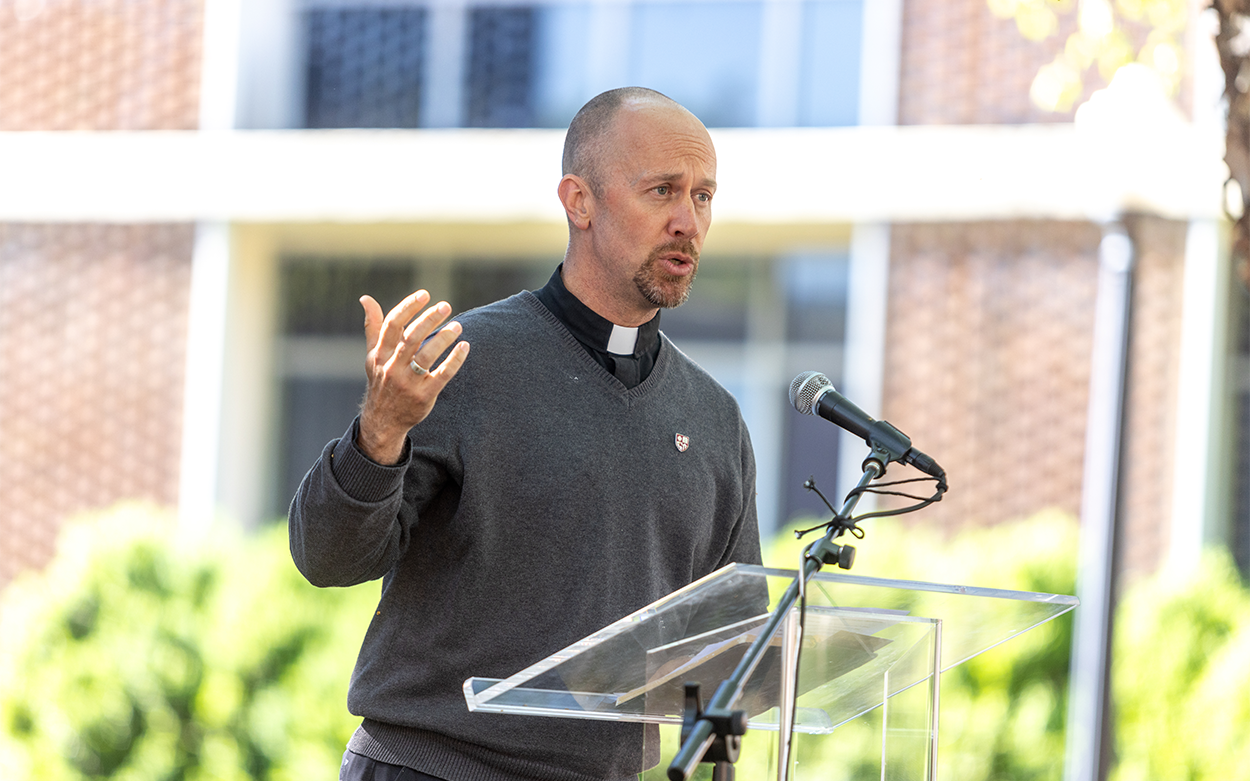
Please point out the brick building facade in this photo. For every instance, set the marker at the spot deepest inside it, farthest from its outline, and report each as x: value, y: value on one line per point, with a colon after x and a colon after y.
x: 92, y: 316
x: 987, y: 349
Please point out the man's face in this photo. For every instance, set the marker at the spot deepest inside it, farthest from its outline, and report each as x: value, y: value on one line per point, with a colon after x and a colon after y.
x: 657, y: 177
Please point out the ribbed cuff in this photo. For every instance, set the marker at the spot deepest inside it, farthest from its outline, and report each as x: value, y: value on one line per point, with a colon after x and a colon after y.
x: 362, y: 478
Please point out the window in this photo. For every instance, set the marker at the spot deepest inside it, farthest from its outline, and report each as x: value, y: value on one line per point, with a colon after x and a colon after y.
x: 815, y: 285
x: 718, y: 78
x: 322, y: 352
x: 364, y: 67
x: 717, y: 309
x: 476, y: 283
x: 501, y: 67
x: 829, y: 73
x: 411, y: 63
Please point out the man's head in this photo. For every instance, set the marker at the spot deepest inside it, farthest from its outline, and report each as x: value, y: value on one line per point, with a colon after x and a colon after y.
x: 639, y: 175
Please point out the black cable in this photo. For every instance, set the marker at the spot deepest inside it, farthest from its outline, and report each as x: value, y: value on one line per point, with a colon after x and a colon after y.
x: 851, y: 524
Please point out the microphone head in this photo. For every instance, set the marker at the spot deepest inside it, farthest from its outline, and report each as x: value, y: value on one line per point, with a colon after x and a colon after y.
x: 806, y: 388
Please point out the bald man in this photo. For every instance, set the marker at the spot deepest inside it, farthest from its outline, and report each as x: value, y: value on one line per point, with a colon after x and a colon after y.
x: 574, y: 469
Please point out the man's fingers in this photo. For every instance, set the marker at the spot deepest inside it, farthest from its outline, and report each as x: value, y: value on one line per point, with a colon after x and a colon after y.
x: 418, y: 332
x: 421, y: 328
x: 450, y: 365
x: 373, y: 320
x: 434, y: 346
x: 399, y: 398
x: 393, y: 326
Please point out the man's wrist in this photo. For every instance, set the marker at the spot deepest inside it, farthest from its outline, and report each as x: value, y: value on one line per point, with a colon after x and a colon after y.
x: 359, y: 476
x: 385, y: 448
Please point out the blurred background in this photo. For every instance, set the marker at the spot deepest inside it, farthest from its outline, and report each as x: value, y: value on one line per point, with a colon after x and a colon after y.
x: 1004, y: 226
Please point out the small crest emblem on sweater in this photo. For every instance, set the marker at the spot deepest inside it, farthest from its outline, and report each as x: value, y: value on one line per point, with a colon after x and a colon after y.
x: 682, y: 441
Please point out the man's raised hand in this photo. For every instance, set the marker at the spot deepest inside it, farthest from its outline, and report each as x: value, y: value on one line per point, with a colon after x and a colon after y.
x: 403, y: 385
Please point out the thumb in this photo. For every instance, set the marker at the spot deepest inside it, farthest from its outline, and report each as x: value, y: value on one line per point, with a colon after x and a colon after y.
x: 373, y: 320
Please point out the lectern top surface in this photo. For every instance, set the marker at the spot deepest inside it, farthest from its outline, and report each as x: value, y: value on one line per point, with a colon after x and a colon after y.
x: 864, y: 640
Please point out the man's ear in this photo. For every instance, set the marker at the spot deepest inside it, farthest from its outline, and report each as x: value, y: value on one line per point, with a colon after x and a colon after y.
x: 577, y: 200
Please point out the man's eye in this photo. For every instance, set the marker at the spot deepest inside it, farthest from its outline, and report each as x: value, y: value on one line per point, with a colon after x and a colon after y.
x: 704, y: 197
x: 662, y: 189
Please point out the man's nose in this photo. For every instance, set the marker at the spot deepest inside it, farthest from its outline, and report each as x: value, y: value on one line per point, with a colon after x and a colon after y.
x: 684, y: 221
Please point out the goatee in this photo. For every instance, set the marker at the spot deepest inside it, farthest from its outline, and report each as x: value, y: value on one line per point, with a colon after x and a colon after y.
x: 661, y: 288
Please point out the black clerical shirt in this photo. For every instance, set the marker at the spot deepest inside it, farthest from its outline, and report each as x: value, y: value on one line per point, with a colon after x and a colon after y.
x: 627, y: 353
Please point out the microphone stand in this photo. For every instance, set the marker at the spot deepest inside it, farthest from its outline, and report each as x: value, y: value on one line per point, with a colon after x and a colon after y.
x: 715, y: 734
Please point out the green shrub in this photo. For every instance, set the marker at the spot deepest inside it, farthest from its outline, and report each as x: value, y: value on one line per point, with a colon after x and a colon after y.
x: 1182, y: 677
x: 144, y: 654
x: 1002, y: 713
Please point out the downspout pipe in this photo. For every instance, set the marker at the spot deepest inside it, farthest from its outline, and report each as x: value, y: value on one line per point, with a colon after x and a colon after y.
x: 1089, y: 732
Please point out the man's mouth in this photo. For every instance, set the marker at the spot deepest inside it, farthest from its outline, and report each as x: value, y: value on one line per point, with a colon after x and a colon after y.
x: 677, y: 263
x: 665, y: 278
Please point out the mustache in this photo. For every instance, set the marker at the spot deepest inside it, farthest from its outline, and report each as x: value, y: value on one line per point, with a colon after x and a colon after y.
x: 684, y: 246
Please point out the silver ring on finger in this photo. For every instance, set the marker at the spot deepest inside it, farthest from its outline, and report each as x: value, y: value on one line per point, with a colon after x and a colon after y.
x: 417, y: 368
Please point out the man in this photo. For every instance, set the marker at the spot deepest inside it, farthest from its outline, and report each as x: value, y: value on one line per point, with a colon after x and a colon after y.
x: 577, y: 469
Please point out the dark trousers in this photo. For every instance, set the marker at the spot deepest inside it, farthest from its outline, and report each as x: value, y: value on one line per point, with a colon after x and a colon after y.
x: 357, y: 767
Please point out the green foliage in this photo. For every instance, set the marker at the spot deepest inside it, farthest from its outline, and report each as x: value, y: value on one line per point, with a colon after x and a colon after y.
x: 1182, y: 677
x: 1002, y: 713
x: 144, y: 654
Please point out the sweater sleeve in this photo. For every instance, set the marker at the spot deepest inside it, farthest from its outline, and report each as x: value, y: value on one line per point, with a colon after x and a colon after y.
x: 346, y: 520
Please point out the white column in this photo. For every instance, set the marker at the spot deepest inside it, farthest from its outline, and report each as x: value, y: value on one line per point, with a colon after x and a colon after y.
x: 247, y: 449
x: 879, y: 62
x: 868, y: 283
x: 219, y: 70
x: 201, y: 406
x: 210, y: 274
x: 863, y: 368
x: 1201, y: 449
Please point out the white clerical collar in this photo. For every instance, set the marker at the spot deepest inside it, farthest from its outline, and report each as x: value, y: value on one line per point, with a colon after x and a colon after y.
x: 623, y: 340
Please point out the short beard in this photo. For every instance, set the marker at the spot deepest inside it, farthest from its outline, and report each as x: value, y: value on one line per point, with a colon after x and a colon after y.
x: 660, y: 287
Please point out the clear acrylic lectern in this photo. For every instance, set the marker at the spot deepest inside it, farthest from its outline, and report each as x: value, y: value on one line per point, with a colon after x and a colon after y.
x: 866, y: 643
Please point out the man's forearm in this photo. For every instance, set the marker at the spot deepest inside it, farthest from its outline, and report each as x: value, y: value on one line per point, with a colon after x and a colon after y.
x: 344, y: 522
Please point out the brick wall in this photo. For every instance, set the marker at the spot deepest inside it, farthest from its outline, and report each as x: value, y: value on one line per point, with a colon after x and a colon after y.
x: 93, y: 332
x: 987, y: 360
x: 961, y: 64
x: 991, y: 323
x: 92, y: 317
x: 988, y: 367
x: 100, y: 65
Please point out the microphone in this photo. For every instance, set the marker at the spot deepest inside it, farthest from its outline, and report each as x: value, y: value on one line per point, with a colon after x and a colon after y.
x: 812, y: 393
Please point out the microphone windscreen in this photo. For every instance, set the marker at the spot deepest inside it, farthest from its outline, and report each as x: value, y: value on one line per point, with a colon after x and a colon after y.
x: 805, y: 388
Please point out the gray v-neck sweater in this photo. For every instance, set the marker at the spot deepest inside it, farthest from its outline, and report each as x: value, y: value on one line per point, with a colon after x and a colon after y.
x: 540, y: 501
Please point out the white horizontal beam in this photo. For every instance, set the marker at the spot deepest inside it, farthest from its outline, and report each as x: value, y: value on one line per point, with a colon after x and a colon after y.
x: 779, y: 176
